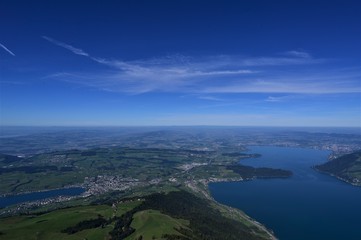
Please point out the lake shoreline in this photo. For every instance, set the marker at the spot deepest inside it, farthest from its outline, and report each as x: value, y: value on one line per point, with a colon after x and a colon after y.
x: 206, y: 193
x: 296, y: 204
x: 338, y: 177
x: 40, y: 191
x: 41, y: 197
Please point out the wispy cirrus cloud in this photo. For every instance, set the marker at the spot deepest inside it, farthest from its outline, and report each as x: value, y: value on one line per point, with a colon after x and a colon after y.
x: 210, y: 98
x: 172, y: 73
x: 285, y: 98
x: 300, y: 54
x: 213, y: 74
x: 7, y: 50
x: 66, y: 46
x: 297, y: 85
x: 274, y: 99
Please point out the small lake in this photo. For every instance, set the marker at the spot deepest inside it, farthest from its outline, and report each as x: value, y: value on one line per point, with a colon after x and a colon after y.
x: 27, y: 197
x: 307, y: 206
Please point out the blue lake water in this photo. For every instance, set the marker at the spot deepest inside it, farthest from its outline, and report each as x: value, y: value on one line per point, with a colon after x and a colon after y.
x: 307, y: 206
x: 11, y: 200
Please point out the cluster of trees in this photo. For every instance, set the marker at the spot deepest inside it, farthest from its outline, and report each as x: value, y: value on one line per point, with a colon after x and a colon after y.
x: 66, y: 169
x: 111, y: 197
x: 28, y: 169
x: 9, y: 158
x: 122, y: 228
x: 248, y: 172
x: 87, y: 224
x: 35, y: 169
x: 88, y: 153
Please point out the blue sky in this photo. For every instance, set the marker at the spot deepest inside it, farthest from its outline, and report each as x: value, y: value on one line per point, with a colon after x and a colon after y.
x: 242, y: 63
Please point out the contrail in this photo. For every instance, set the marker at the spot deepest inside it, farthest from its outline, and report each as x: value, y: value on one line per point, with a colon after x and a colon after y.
x: 66, y: 46
x: 78, y: 51
x: 6, y: 49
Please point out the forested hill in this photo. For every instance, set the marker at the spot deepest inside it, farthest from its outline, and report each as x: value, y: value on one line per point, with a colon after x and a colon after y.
x: 177, y: 215
x: 346, y: 167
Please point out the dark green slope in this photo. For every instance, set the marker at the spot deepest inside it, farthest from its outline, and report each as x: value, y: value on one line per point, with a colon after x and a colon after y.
x: 175, y: 215
x: 346, y: 167
x: 205, y: 222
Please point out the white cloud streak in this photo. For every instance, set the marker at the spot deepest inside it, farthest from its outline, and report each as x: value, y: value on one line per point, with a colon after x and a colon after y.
x: 299, y: 54
x: 6, y: 49
x: 274, y: 99
x: 295, y: 86
x: 210, y: 98
x: 210, y: 75
x: 66, y: 46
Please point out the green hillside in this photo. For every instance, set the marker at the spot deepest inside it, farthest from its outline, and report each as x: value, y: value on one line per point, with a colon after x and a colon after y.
x: 346, y: 167
x: 153, y: 224
x: 175, y: 215
x: 50, y: 225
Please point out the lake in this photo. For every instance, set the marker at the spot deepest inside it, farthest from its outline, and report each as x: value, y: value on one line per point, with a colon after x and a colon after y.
x: 15, y: 199
x: 307, y: 206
